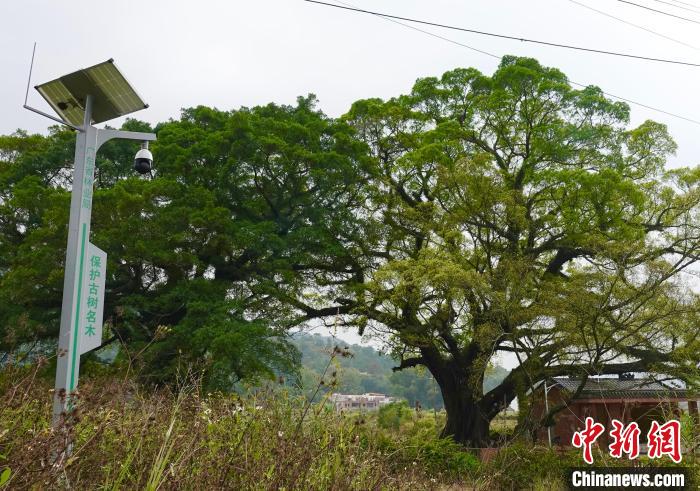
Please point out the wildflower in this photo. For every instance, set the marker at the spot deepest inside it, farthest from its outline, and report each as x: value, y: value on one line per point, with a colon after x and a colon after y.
x: 161, y: 332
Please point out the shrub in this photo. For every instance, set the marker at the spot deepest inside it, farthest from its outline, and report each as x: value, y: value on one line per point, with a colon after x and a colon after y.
x: 390, y: 416
x: 521, y: 466
x: 412, y: 440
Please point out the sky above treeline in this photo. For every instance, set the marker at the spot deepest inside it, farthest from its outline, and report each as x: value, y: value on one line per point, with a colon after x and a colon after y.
x: 236, y: 53
x: 233, y: 53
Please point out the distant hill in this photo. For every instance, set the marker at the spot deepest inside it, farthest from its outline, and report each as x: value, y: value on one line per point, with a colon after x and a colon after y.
x: 368, y: 370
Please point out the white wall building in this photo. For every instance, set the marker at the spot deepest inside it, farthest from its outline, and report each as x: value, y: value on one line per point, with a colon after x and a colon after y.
x: 370, y: 401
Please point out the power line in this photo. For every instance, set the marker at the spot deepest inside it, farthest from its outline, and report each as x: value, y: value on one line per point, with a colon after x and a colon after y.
x: 678, y: 6
x: 657, y: 11
x: 504, y: 36
x: 452, y: 41
x: 646, y: 106
x: 435, y: 35
x: 688, y: 4
x: 634, y: 25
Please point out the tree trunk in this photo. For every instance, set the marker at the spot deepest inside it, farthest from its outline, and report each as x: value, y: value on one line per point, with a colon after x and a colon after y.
x: 467, y: 423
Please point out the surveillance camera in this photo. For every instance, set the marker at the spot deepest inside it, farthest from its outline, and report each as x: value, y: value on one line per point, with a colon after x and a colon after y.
x: 143, y: 161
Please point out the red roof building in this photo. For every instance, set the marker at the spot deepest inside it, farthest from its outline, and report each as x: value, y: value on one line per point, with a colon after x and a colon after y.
x: 626, y: 399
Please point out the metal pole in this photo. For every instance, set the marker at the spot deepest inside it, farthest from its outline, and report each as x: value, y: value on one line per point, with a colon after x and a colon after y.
x: 68, y: 355
x: 546, y: 408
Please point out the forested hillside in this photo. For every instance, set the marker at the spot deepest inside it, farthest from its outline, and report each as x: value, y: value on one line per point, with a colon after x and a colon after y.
x: 369, y: 370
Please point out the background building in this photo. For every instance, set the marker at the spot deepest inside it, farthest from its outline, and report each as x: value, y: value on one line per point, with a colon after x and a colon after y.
x: 371, y: 401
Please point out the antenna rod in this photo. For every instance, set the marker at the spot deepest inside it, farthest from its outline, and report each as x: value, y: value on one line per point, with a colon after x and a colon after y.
x: 29, y: 80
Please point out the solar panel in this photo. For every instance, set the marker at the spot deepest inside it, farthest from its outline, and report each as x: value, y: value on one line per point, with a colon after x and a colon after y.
x: 112, y: 95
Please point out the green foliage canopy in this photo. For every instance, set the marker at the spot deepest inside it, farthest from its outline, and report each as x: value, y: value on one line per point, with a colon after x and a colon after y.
x: 515, y: 214
x: 238, y: 198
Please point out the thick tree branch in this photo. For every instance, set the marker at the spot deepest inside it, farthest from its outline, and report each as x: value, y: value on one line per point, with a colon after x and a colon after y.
x: 409, y: 363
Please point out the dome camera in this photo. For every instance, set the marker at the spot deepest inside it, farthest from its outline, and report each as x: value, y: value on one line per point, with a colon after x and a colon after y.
x: 143, y: 161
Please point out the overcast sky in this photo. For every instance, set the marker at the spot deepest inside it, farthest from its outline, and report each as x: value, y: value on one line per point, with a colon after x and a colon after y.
x: 232, y: 53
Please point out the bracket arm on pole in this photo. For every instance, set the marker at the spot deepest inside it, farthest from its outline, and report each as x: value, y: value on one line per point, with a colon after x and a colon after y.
x: 54, y: 118
x: 106, y: 135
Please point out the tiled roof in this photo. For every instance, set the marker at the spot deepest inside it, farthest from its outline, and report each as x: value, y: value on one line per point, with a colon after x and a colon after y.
x: 616, y: 388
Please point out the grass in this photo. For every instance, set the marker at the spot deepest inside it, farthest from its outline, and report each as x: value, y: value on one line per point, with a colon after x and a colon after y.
x: 128, y: 437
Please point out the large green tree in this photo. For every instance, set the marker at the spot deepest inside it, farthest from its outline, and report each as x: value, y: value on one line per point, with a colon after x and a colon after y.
x: 237, y: 198
x: 514, y: 214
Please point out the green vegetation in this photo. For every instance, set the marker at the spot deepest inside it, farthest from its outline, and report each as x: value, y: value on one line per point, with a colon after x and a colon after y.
x: 128, y: 438
x: 516, y: 214
x: 240, y: 200
x: 474, y: 216
x: 267, y: 439
x: 368, y: 370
